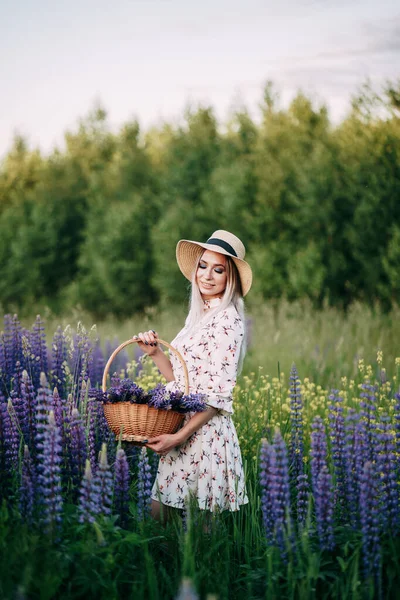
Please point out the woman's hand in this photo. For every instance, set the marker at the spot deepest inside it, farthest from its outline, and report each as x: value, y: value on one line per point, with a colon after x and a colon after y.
x: 163, y: 443
x: 148, y: 343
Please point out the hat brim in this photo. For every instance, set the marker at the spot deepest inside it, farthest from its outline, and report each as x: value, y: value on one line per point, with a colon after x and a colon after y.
x: 188, y: 253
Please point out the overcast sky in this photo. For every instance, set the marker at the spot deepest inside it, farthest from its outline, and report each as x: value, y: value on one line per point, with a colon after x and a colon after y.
x: 148, y: 59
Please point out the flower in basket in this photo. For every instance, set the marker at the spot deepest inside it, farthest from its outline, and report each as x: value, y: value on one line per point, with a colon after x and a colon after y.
x: 124, y: 390
x: 163, y: 399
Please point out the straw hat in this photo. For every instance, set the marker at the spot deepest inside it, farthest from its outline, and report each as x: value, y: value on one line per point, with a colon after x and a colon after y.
x: 188, y: 253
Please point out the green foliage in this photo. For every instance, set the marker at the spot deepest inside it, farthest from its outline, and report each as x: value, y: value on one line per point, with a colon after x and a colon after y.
x: 316, y: 206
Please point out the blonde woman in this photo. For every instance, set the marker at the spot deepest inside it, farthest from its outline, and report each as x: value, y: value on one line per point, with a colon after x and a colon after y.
x: 202, y: 460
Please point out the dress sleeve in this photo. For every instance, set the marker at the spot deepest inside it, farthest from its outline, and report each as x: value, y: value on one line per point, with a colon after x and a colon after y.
x: 223, y: 338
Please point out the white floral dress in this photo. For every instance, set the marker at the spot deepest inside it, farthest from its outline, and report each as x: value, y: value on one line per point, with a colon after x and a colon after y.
x: 208, y: 466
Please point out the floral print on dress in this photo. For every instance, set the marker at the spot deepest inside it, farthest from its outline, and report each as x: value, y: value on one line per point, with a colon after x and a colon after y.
x: 208, y: 466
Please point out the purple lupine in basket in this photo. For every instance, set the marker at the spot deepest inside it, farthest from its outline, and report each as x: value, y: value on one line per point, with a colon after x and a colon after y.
x: 350, y: 462
x: 386, y: 467
x: 303, y: 498
x: 144, y: 486
x: 121, y: 486
x: 124, y: 390
x: 337, y: 437
x: 49, y: 474
x: 369, y: 515
x: 103, y: 481
x: 27, y: 489
x: 323, y: 494
x: 59, y: 359
x: 88, y: 506
x: 267, y: 456
x: 163, y: 399
x: 296, y: 420
x: 77, y: 447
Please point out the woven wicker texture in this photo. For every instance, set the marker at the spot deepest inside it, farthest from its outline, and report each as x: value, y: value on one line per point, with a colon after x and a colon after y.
x: 138, y: 422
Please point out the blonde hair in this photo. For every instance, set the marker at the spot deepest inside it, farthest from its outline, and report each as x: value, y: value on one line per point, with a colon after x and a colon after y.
x: 232, y: 295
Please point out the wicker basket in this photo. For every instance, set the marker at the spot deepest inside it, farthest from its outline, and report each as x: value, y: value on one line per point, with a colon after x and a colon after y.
x: 138, y: 422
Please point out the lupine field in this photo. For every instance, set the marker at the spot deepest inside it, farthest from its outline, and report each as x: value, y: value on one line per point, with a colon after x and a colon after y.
x: 323, y: 475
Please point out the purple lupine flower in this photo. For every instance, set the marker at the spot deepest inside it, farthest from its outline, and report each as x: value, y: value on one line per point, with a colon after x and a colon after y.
x: 17, y: 379
x: 88, y: 506
x: 16, y: 432
x: 44, y: 404
x: 296, y: 419
x: 76, y: 447
x: 318, y: 449
x: 397, y: 424
x: 9, y: 442
x: 144, y: 486
x: 369, y: 514
x: 386, y: 467
x: 103, y: 481
x: 323, y: 494
x: 321, y: 485
x: 59, y: 360
x: 49, y: 478
x: 267, y: 456
x: 124, y: 390
x: 29, y: 396
x: 351, y: 461
x: 91, y: 433
x: 58, y: 407
x: 39, y: 351
x: 280, y: 492
x: 337, y: 437
x: 121, y: 486
x: 19, y: 406
x: 96, y: 367
x: 163, y: 399
x: 27, y: 488
x: 303, y: 497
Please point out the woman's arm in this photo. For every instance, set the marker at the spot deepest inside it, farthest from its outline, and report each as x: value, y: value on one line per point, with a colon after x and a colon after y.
x: 165, y: 442
x: 149, y: 345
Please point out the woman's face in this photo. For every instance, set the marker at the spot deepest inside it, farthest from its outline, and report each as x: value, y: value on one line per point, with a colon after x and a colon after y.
x: 211, y: 275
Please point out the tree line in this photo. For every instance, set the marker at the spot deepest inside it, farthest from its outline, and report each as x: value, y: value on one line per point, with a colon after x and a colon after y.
x: 317, y: 206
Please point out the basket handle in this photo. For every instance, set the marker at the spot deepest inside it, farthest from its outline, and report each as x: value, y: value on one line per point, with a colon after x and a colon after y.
x: 134, y: 341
